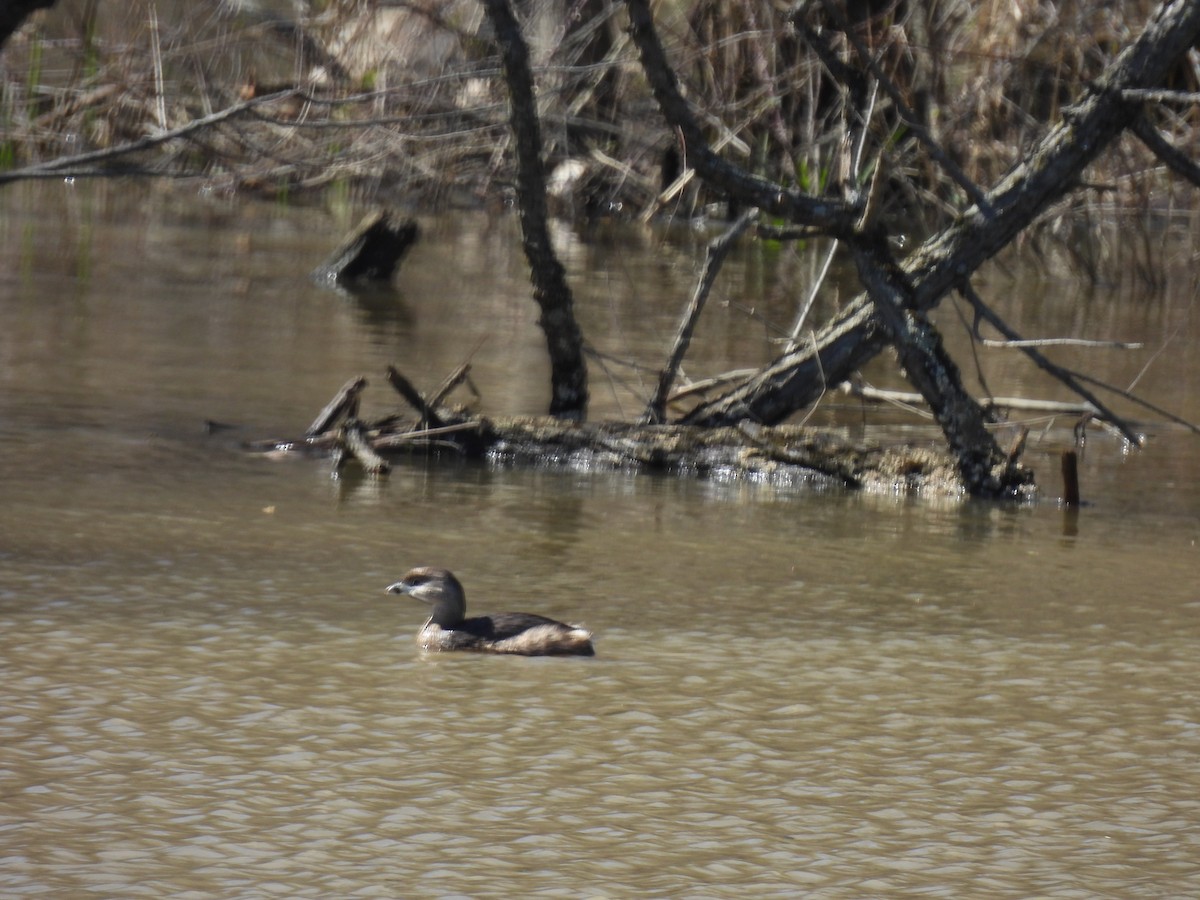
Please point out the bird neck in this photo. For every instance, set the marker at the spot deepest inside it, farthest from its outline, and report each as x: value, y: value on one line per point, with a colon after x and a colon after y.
x: 449, y: 612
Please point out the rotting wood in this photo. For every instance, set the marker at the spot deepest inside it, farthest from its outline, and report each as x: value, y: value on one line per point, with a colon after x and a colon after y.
x: 355, y: 441
x: 371, y: 253
x: 783, y: 454
x: 405, y: 389
x: 343, y: 405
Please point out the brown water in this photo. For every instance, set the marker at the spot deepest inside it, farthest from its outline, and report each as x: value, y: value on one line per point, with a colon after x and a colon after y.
x: 205, y: 693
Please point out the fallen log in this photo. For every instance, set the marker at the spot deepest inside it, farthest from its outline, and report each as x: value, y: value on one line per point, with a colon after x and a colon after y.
x: 781, y: 454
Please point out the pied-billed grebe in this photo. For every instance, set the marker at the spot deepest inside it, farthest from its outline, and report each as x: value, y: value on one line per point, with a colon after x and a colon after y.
x: 450, y: 629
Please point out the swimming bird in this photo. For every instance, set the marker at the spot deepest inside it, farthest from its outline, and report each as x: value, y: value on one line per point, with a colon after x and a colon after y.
x: 449, y: 628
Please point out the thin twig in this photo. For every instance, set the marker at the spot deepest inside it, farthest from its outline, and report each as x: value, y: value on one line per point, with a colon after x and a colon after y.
x: 1062, y: 342
x: 866, y: 392
x: 1145, y: 404
x: 396, y: 440
x: 65, y: 164
x: 705, y: 385
x: 806, y: 308
x: 715, y: 256
x: 1066, y: 376
x: 911, y: 119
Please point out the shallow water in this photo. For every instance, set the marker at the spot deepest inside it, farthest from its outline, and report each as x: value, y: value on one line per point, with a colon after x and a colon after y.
x: 207, y: 694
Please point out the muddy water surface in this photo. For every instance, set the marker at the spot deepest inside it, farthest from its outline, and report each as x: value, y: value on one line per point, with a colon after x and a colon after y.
x: 204, y: 691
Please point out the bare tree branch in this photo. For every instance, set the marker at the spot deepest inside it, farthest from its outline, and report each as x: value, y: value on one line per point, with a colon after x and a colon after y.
x: 715, y: 255
x: 984, y: 468
x: 794, y: 380
x: 911, y: 119
x: 750, y: 190
x: 1066, y: 376
x: 1176, y: 161
x: 78, y: 164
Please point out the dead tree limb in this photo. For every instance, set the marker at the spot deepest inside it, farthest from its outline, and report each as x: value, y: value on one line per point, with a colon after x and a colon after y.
x: 457, y: 377
x: 1066, y: 376
x: 353, y: 440
x: 1061, y: 342
x: 717, y: 250
x: 943, y: 262
x: 828, y: 213
x: 405, y: 389
x: 453, y: 380
x: 1177, y: 162
x: 343, y: 404
x: 80, y: 165
x: 984, y: 468
x: 911, y: 398
x: 568, y: 370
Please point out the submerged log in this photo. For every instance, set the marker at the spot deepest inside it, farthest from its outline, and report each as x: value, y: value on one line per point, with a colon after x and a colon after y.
x: 372, y: 252
x: 781, y: 454
x: 784, y: 454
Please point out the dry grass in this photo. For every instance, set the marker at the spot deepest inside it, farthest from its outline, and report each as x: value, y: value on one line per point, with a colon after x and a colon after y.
x: 407, y: 101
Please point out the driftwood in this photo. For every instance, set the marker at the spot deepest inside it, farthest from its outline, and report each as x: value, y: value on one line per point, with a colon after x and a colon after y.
x: 774, y: 454
x: 405, y: 389
x: 356, y: 442
x: 372, y: 252
x: 343, y: 405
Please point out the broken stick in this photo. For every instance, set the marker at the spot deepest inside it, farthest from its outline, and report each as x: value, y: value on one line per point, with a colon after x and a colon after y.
x: 344, y: 402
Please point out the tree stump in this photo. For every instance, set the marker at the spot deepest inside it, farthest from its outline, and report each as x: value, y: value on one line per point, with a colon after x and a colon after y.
x: 372, y: 252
